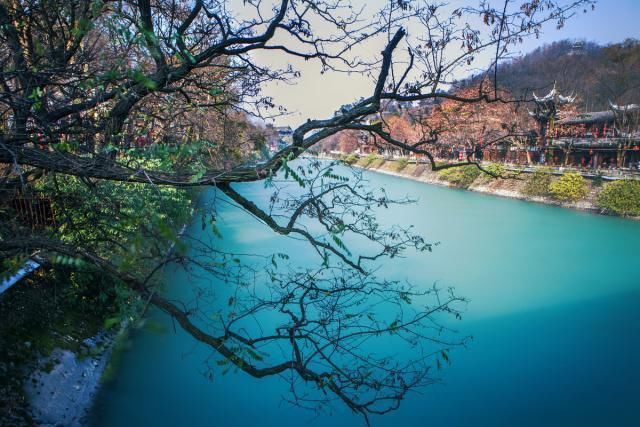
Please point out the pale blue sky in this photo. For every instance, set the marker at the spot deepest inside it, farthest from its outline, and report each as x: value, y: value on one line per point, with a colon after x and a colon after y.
x: 612, y: 21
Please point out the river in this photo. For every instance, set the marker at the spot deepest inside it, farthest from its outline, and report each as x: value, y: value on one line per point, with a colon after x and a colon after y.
x: 554, y: 298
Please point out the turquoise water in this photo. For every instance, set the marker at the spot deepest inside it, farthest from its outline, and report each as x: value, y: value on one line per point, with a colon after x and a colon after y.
x: 554, y: 312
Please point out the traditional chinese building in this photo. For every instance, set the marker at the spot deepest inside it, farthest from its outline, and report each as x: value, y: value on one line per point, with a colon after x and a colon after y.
x: 546, y: 113
x: 598, y: 139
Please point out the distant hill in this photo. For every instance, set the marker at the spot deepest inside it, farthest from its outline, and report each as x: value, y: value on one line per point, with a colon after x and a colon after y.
x: 595, y: 73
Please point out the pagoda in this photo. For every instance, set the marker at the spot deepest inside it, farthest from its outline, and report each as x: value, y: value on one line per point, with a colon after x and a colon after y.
x: 545, y: 112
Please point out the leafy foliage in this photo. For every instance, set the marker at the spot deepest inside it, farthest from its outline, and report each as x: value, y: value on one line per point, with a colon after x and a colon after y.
x: 570, y: 187
x: 369, y: 159
x: 141, y: 218
x: 496, y: 169
x: 537, y: 184
x: 462, y: 176
x: 401, y: 164
x: 350, y: 159
x: 621, y: 197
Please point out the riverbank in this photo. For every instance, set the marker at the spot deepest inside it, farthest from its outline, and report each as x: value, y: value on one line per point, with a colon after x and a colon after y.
x: 61, y: 390
x: 61, y: 337
x: 514, y: 186
x: 54, y: 351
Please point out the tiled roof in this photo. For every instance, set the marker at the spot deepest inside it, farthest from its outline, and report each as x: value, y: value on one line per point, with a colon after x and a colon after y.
x: 589, y: 118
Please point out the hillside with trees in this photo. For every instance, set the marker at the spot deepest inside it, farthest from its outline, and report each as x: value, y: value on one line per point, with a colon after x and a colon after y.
x: 595, y: 73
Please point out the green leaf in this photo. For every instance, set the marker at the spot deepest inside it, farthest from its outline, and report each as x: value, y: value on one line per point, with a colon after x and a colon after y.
x: 254, y: 355
x: 405, y: 297
x: 112, y: 321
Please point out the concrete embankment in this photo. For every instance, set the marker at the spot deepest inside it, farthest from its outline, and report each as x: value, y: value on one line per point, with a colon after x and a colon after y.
x: 513, y: 187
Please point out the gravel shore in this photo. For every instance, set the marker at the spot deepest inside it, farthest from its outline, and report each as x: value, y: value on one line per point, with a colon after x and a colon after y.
x: 62, y: 390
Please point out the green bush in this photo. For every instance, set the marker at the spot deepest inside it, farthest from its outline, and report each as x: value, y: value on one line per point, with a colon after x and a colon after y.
x: 461, y: 176
x: 621, y: 197
x: 368, y: 159
x: 402, y: 163
x: 378, y: 162
x: 496, y: 170
x: 537, y: 185
x: 350, y: 159
x: 571, y: 187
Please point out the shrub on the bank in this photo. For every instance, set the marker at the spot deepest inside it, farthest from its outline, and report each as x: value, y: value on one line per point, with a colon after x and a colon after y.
x: 378, y: 162
x: 368, y: 159
x: 496, y: 170
x: 571, y: 187
x: 537, y: 185
x: 462, y: 176
x: 350, y: 159
x: 402, y: 163
x: 621, y: 197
